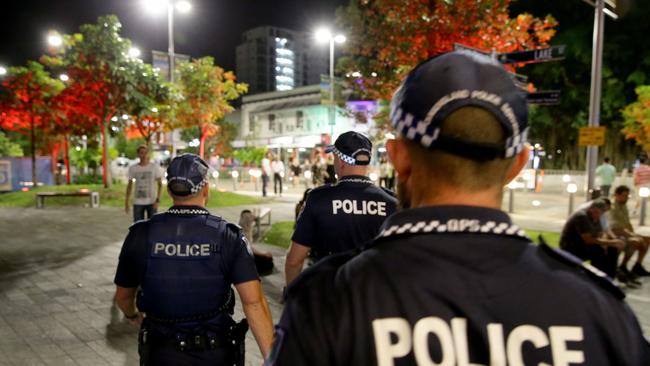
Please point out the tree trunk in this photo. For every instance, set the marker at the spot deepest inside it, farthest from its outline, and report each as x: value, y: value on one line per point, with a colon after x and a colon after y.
x: 106, y: 178
x: 202, y: 142
x: 66, y: 158
x: 33, y: 148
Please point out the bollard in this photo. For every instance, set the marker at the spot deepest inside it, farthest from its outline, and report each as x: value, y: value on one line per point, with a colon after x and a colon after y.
x: 572, y: 188
x: 235, y: 175
x: 511, y: 200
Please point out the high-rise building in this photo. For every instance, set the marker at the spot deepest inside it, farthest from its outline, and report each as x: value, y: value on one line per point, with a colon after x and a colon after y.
x: 276, y: 59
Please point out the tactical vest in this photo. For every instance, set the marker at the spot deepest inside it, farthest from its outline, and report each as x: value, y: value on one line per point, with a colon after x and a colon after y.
x: 186, y: 273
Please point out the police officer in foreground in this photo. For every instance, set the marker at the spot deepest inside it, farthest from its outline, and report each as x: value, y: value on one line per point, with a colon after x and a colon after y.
x: 180, y: 266
x: 341, y: 216
x: 452, y: 281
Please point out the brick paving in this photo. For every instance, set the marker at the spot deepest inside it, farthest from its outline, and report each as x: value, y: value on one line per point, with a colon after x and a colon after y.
x: 57, y: 267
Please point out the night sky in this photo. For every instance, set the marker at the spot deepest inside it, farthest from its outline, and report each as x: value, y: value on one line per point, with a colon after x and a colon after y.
x: 213, y: 27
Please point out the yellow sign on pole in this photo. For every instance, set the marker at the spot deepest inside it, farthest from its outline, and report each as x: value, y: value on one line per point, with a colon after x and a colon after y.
x: 591, y: 136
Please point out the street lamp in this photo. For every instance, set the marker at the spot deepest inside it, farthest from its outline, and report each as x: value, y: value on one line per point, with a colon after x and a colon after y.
x: 156, y: 6
x: 235, y: 175
x: 134, y: 52
x: 54, y: 39
x: 64, y: 77
x: 325, y: 35
x: 3, y: 71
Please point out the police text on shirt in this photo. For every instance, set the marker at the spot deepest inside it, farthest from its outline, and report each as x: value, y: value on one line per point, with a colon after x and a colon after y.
x: 181, y: 250
x: 355, y: 207
x: 394, y: 339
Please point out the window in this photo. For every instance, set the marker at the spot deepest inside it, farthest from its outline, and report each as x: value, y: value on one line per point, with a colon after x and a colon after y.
x: 271, y: 122
x: 300, y: 120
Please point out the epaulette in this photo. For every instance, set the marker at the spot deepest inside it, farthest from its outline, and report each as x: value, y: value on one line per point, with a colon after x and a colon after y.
x: 390, y: 192
x: 593, y: 273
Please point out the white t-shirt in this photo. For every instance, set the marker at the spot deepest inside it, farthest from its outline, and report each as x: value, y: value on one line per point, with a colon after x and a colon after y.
x: 145, y: 182
x: 277, y: 166
x: 266, y: 166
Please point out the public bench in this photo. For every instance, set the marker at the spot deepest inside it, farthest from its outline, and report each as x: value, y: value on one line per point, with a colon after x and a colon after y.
x: 260, y: 215
x: 92, y: 196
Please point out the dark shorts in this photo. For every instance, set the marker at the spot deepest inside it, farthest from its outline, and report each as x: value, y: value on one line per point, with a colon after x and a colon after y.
x: 602, y: 258
x: 140, y: 210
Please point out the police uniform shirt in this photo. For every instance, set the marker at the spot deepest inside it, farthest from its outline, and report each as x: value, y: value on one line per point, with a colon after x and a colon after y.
x: 188, y: 228
x: 343, y: 216
x: 455, y: 285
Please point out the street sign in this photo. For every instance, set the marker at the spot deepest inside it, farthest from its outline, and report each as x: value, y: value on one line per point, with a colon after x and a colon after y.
x: 550, y: 97
x: 533, y: 56
x: 591, y: 136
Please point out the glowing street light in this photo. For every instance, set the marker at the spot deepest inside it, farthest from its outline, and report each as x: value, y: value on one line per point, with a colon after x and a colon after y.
x: 64, y: 77
x: 134, y: 52
x: 54, y: 39
x: 3, y: 71
x: 184, y: 6
x: 325, y: 35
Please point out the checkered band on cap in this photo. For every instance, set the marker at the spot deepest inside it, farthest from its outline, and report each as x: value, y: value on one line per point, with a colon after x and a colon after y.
x: 426, y: 133
x: 195, y: 188
x: 347, y: 159
x: 438, y: 87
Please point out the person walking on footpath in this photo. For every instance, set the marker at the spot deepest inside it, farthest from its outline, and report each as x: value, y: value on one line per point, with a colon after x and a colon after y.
x: 174, y: 279
x: 267, y: 171
x: 451, y: 280
x: 606, y: 174
x: 147, y: 179
x: 342, y: 216
x: 277, y: 166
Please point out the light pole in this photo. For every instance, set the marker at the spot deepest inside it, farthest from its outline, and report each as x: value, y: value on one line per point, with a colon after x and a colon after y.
x: 182, y: 6
x: 3, y: 71
x: 325, y: 35
x: 596, y: 83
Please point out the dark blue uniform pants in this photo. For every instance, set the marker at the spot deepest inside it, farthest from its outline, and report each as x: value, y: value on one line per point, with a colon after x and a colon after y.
x: 172, y: 357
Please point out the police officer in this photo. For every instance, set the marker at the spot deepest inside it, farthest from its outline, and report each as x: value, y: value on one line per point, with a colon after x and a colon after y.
x: 344, y: 215
x: 180, y: 265
x: 452, y: 281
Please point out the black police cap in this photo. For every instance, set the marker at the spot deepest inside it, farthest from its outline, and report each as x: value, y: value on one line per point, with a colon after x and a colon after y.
x: 352, y: 147
x: 443, y: 84
x: 187, y: 174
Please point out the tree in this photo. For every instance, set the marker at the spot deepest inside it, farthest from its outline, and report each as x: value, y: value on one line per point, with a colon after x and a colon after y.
x: 387, y: 38
x: 626, y: 66
x: 8, y: 148
x: 637, y: 119
x: 150, y: 103
x: 100, y: 71
x: 27, y: 103
x: 206, y: 91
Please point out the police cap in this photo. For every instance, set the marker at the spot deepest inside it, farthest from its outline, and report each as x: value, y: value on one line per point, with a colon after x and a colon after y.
x: 186, y: 175
x: 443, y: 84
x: 352, y: 147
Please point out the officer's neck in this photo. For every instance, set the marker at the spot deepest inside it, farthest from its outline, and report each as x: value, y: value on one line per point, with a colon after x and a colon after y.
x: 438, y: 196
x: 347, y: 170
x: 193, y: 201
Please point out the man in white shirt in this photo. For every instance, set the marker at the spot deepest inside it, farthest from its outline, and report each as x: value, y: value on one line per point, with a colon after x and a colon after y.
x: 277, y: 166
x: 266, y: 171
x: 146, y: 197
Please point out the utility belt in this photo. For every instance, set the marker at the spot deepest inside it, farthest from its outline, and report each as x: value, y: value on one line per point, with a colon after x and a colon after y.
x: 316, y: 255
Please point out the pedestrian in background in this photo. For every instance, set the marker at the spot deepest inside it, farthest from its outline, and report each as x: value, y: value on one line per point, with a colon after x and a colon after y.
x: 147, y: 179
x: 267, y: 171
x: 277, y: 166
x: 606, y: 174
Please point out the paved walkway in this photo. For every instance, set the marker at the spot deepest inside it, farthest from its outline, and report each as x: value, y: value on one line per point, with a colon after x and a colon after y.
x: 57, y: 267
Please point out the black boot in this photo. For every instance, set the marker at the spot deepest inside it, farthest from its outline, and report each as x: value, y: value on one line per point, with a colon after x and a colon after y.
x: 640, y: 271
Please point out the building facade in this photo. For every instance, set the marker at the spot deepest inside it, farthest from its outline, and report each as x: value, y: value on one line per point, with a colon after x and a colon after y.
x: 297, y: 119
x: 278, y: 59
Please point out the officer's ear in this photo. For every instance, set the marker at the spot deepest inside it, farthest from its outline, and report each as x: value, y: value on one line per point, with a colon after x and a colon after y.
x: 399, y: 156
x: 520, y: 162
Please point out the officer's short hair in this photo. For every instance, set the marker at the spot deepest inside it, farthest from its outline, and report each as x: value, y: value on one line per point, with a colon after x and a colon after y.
x: 472, y: 124
x: 599, y: 204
